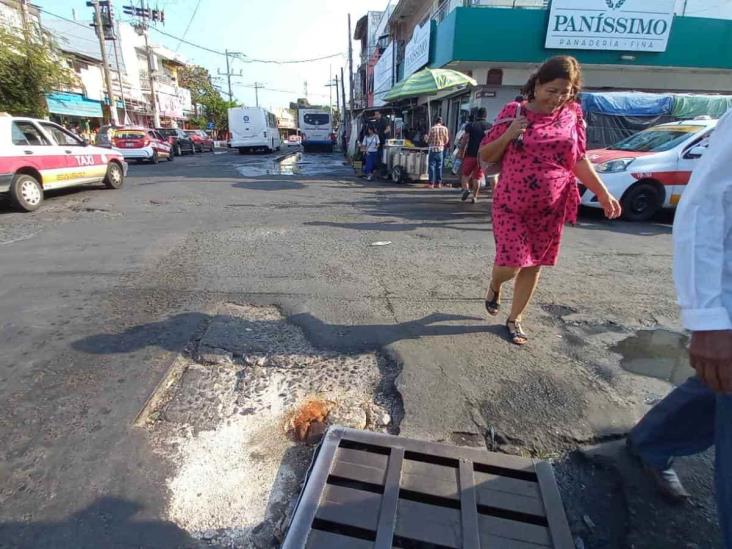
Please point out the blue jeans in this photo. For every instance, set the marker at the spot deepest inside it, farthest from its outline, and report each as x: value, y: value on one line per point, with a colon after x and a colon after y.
x: 371, y: 160
x: 689, y: 420
x: 436, y: 158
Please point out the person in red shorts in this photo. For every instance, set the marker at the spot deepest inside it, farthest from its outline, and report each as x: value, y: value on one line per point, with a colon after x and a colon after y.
x: 472, y: 172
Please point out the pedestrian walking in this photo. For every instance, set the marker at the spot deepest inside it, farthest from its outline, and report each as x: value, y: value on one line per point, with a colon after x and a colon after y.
x: 370, y: 147
x: 540, y: 144
x: 698, y: 414
x: 472, y: 172
x: 383, y: 130
x: 437, y: 141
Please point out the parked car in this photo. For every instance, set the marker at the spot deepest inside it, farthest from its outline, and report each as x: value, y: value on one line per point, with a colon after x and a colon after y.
x: 294, y: 140
x: 179, y: 141
x: 650, y: 169
x: 38, y: 155
x: 142, y: 144
x: 201, y: 140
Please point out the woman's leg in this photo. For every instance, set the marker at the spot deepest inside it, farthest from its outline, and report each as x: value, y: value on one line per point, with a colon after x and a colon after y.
x: 526, y: 281
x: 500, y: 276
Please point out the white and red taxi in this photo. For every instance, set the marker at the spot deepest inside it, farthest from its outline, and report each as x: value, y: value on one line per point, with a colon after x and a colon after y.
x: 142, y: 144
x: 650, y: 169
x: 38, y: 155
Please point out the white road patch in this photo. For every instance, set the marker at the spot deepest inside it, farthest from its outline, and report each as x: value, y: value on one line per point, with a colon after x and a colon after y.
x: 224, y: 422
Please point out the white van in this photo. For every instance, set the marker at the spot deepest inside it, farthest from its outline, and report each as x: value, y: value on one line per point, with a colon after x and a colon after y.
x: 316, y: 126
x: 253, y: 128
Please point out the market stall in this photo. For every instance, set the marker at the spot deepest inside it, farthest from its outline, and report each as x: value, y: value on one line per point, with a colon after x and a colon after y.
x: 403, y: 160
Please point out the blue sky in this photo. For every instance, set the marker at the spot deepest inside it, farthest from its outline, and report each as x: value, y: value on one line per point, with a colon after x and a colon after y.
x: 263, y: 29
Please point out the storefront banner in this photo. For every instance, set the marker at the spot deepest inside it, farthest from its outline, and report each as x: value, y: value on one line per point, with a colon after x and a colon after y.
x: 73, y: 104
x: 627, y: 25
x: 417, y: 53
x: 383, y: 75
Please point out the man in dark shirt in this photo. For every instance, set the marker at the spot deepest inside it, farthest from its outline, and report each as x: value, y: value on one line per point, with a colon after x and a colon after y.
x: 384, y: 132
x: 472, y: 172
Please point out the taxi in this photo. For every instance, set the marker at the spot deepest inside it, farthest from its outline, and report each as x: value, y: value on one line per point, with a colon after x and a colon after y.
x: 650, y: 169
x: 38, y: 156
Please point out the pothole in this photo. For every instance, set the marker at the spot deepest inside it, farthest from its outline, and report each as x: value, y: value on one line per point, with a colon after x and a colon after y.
x: 660, y: 354
x: 238, y: 418
x: 293, y: 164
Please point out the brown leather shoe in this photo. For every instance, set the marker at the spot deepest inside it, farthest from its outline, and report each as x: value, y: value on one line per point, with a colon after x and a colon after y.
x: 667, y: 481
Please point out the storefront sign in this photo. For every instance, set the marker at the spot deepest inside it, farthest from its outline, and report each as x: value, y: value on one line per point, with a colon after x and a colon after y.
x: 417, y: 53
x: 628, y: 25
x: 482, y: 93
x: 73, y: 104
x: 383, y: 75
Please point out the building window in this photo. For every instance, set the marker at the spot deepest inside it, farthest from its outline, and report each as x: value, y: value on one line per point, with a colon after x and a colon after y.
x: 494, y: 78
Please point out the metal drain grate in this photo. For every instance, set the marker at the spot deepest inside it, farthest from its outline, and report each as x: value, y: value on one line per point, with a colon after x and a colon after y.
x: 374, y: 491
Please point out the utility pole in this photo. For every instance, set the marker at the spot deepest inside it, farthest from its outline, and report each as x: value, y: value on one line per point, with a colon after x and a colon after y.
x: 24, y: 18
x: 143, y: 14
x: 330, y: 90
x: 350, y: 65
x: 306, y: 90
x: 338, y: 96
x: 228, y: 72
x: 343, y: 94
x: 105, y: 65
x: 150, y: 73
x: 121, y: 85
x: 257, y: 85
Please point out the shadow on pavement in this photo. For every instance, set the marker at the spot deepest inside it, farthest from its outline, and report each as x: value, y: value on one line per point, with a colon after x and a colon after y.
x: 372, y: 337
x: 270, y: 185
x: 341, y: 337
x: 108, y: 522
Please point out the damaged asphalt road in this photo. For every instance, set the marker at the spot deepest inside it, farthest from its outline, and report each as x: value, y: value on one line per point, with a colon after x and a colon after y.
x: 103, y: 292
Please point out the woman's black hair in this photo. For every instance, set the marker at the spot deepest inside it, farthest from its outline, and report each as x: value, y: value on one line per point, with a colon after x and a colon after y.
x: 562, y: 66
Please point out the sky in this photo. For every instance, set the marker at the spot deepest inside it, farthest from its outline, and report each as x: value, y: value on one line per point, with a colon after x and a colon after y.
x: 275, y: 29
x: 261, y: 29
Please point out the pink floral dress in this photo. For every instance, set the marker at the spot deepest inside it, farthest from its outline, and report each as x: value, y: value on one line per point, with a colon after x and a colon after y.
x: 537, y: 190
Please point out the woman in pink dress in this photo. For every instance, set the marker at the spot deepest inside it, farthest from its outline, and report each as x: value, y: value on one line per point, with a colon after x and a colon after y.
x: 540, y: 144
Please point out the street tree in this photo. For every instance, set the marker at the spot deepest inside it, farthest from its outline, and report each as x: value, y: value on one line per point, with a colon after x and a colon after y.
x: 207, y: 102
x: 30, y: 67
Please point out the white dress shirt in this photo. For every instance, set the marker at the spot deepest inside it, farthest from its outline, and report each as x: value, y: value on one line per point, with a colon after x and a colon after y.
x: 703, y: 238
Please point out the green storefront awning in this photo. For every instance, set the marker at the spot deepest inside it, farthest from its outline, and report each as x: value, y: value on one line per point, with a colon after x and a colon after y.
x: 428, y: 82
x: 73, y: 104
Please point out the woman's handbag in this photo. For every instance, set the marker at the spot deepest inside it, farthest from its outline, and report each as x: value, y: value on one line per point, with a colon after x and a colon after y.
x: 493, y: 169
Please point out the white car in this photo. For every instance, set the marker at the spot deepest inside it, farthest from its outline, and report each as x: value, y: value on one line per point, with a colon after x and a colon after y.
x: 650, y: 170
x: 37, y: 156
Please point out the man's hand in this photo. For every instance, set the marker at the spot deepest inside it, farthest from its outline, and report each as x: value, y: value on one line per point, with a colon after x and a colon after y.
x: 711, y: 357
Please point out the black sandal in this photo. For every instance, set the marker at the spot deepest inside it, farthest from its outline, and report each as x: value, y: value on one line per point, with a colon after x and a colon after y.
x: 517, y: 335
x: 493, y: 305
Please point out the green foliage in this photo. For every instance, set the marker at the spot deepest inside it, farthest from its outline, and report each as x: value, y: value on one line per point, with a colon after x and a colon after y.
x: 213, y: 107
x: 29, y: 69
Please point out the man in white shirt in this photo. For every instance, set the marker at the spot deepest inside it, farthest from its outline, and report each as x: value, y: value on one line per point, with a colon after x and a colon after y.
x: 698, y: 414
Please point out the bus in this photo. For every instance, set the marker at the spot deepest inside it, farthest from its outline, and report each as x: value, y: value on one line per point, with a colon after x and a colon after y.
x: 316, y: 126
x: 253, y: 129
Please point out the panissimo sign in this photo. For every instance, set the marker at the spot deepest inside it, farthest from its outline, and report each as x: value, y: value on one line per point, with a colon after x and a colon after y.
x: 629, y: 25
x: 417, y: 52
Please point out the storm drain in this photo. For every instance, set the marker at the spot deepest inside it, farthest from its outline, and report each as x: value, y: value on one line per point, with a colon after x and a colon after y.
x: 371, y: 490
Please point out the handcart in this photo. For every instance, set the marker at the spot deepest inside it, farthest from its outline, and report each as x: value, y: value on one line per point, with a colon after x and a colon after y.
x: 402, y: 163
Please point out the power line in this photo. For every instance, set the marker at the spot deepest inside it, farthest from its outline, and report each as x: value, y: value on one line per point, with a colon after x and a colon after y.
x: 187, y: 42
x: 188, y: 26
x: 62, y: 17
x: 241, y: 57
x: 246, y: 59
